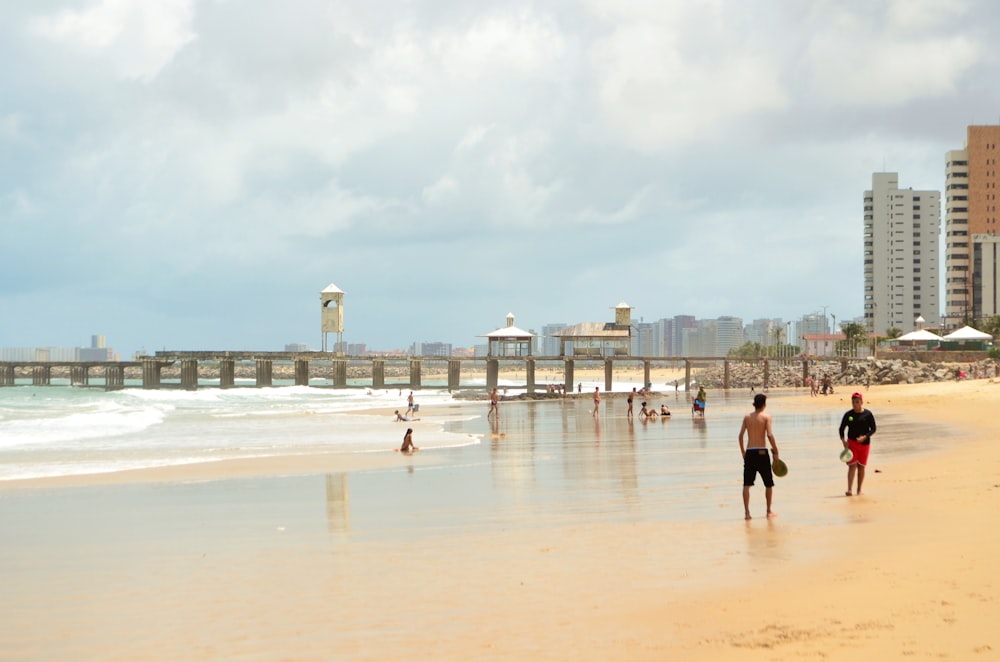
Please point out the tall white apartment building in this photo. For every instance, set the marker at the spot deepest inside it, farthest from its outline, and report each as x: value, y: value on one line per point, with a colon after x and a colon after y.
x: 902, y: 276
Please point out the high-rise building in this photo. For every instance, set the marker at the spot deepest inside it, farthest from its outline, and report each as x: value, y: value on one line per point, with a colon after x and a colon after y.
x: 971, y: 220
x: 901, y: 231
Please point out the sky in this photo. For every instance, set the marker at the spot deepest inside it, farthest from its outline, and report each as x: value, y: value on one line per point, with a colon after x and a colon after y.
x: 190, y: 174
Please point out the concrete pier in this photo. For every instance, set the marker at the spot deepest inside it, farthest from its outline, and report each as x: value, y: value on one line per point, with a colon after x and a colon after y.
x: 409, y: 371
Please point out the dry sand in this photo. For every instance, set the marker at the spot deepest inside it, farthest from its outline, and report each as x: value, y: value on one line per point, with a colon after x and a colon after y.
x: 913, y: 575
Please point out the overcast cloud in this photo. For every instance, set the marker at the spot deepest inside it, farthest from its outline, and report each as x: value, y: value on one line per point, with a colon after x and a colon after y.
x: 189, y: 174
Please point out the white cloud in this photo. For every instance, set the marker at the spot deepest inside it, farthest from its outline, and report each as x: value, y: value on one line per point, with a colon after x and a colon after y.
x: 887, y: 71
x: 442, y: 189
x: 138, y: 38
x: 654, y: 95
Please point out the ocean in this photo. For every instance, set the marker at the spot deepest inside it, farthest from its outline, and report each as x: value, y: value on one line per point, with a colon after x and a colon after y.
x: 550, y: 453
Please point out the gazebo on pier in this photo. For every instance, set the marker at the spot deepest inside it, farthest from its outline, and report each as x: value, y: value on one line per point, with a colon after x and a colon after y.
x: 509, y: 340
x: 593, y: 339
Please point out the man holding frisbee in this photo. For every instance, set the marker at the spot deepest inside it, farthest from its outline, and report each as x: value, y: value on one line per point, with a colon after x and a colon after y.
x: 757, y: 427
x: 860, y: 426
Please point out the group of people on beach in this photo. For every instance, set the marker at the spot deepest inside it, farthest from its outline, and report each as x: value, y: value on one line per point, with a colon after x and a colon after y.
x: 644, y: 413
x: 857, y: 426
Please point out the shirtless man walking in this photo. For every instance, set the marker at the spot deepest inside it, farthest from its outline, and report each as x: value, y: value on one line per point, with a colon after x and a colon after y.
x: 757, y: 427
x: 597, y: 399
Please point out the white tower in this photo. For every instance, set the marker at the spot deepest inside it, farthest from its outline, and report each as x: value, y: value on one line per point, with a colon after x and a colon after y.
x: 332, y: 320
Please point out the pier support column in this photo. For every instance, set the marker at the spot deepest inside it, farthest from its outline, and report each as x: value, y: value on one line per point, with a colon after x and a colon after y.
x: 151, y: 374
x: 301, y: 372
x: 114, y: 378
x: 79, y: 375
x: 687, y: 378
x: 339, y: 368
x: 767, y: 373
x: 805, y: 371
x: 378, y: 373
x: 646, y: 374
x: 609, y: 373
x: 189, y: 374
x: 725, y: 375
x: 41, y: 375
x: 454, y: 374
x: 227, y: 373
x: 415, y: 373
x: 6, y: 375
x: 492, y: 373
x: 529, y: 374
x: 568, y: 383
x: 265, y: 372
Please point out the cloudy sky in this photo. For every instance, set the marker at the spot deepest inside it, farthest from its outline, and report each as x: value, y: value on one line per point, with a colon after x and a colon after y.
x: 190, y: 174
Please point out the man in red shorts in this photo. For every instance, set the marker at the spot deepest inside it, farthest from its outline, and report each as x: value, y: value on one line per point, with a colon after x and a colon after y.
x: 860, y: 425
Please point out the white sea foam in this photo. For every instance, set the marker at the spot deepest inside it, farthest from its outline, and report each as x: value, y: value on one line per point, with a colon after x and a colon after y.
x: 48, y: 431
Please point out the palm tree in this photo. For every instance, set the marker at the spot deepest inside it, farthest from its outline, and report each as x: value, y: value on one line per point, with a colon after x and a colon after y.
x: 855, y: 336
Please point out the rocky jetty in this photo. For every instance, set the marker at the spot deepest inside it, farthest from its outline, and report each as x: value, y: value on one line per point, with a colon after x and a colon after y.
x: 873, y: 371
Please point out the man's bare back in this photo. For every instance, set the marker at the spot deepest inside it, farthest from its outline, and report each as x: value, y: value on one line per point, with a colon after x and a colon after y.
x: 757, y: 427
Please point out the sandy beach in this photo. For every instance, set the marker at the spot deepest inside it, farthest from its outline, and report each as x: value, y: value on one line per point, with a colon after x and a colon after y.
x: 907, y: 570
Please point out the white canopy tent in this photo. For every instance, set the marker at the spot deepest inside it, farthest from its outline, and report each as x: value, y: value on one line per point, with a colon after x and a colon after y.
x: 968, y: 333
x: 920, y: 335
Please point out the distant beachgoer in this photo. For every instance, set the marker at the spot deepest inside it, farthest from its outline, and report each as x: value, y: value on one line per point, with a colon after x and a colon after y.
x: 409, y: 402
x: 597, y: 399
x: 664, y: 411
x: 400, y: 417
x: 757, y: 427
x: 494, y: 403
x: 860, y: 425
x: 631, y: 397
x: 643, y: 412
x: 701, y: 394
x: 677, y: 386
x: 408, y: 446
x: 579, y: 387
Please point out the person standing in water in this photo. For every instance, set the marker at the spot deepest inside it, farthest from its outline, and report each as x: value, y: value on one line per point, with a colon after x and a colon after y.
x: 494, y: 403
x: 597, y: 399
x: 757, y: 427
x: 860, y: 425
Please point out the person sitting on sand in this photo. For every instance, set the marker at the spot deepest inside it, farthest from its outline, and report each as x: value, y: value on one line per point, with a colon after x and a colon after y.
x: 646, y: 413
x: 408, y: 446
x: 400, y: 417
x: 664, y: 411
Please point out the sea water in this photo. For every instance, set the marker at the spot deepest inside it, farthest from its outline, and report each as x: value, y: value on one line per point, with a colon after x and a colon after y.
x: 535, y: 462
x: 48, y: 431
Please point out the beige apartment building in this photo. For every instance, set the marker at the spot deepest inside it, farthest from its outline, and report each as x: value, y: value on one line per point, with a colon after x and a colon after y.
x: 971, y: 228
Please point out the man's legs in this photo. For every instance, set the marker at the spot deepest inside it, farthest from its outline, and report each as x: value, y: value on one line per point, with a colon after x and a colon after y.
x: 767, y: 494
x: 746, y: 501
x: 861, y: 476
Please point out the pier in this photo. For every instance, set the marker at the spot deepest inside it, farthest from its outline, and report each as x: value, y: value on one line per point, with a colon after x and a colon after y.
x: 379, y: 371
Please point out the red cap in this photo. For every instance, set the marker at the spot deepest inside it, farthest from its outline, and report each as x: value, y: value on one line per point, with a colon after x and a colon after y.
x: 858, y: 396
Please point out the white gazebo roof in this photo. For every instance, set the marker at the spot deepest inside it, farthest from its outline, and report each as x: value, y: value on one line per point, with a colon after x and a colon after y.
x: 921, y: 335
x: 332, y: 289
x: 968, y: 333
x: 510, y: 332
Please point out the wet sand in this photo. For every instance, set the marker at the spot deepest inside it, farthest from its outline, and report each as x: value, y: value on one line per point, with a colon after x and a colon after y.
x: 314, y: 558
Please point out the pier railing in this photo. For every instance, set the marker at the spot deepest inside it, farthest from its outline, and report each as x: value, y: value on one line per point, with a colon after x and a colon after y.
x: 194, y: 367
